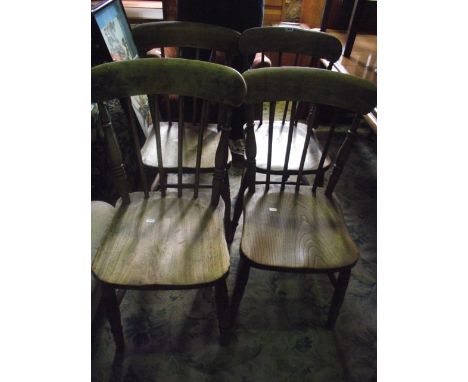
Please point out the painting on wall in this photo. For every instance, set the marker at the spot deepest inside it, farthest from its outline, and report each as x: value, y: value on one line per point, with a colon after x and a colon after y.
x: 114, y: 27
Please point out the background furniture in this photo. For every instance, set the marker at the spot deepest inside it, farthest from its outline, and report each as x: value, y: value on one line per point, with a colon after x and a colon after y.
x: 286, y: 226
x: 362, y: 17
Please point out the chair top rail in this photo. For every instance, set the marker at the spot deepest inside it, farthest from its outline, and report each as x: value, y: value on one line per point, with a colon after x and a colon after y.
x: 185, y: 34
x: 294, y: 40
x: 310, y: 85
x: 204, y: 80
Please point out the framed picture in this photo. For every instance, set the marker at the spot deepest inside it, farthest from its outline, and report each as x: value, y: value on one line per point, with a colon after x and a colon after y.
x: 112, y: 40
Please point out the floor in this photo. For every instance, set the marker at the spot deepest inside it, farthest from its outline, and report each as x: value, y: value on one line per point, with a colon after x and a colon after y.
x: 363, y: 60
x: 280, y: 335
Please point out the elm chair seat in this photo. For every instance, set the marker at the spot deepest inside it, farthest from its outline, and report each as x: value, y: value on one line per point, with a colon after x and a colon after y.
x: 135, y: 252
x: 278, y: 224
x: 169, y: 139
x: 280, y: 136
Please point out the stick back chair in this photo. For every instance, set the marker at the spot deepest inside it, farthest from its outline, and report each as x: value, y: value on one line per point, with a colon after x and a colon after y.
x: 292, y: 47
x: 289, y: 226
x: 177, y: 39
x: 172, y: 238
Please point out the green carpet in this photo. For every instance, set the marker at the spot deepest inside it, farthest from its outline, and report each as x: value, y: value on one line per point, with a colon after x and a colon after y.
x: 280, y: 336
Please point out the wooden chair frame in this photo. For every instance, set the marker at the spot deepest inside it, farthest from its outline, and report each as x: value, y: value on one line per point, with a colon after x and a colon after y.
x: 318, y: 87
x: 120, y: 80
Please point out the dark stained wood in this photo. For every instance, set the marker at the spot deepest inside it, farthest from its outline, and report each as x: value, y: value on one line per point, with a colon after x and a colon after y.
x: 318, y: 180
x: 243, y: 271
x: 180, y: 145
x: 270, y: 140
x: 342, y: 156
x: 222, y: 309
x: 156, y: 118
x: 114, y: 154
x: 338, y: 297
x: 352, y: 27
x: 251, y: 149
x: 293, y: 229
x: 311, y: 119
x: 169, y: 239
x: 113, y: 315
x: 221, y: 157
x: 136, y: 146
x: 200, y: 145
x: 288, y: 144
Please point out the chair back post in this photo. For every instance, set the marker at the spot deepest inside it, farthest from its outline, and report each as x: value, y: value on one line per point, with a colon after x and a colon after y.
x: 250, y: 148
x: 342, y: 156
x: 221, y: 157
x: 127, y: 106
x: 114, y: 154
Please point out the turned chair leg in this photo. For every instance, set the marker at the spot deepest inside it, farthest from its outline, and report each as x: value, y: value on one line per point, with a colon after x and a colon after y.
x: 338, y: 297
x: 226, y: 195
x: 241, y: 281
x: 237, y: 209
x: 222, y: 306
x: 113, y: 315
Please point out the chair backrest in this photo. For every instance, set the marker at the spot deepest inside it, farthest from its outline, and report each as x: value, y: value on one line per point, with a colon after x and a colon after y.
x: 316, y: 87
x: 280, y: 40
x: 184, y: 34
x: 306, y: 46
x: 178, y: 39
x: 212, y: 83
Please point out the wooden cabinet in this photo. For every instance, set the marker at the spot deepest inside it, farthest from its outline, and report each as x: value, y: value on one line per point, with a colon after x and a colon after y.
x: 273, y: 12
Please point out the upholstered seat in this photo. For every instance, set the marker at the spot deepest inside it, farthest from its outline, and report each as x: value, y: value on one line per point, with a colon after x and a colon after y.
x: 301, y: 230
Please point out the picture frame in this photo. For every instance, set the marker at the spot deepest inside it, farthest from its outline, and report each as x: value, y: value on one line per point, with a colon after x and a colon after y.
x: 112, y: 40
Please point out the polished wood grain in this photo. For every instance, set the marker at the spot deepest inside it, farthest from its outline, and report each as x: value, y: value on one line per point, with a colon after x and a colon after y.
x: 289, y: 230
x: 280, y: 134
x: 170, y: 241
x: 169, y: 146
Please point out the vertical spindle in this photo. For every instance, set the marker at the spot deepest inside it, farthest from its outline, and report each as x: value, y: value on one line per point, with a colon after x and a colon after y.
x: 156, y: 117
x: 136, y: 145
x: 288, y: 147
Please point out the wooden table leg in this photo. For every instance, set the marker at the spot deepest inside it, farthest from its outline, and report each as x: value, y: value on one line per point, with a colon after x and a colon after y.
x: 325, y: 15
x: 352, y: 27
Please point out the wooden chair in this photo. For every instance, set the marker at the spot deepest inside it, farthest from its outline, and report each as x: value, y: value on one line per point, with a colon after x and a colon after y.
x: 170, y: 39
x: 288, y: 226
x: 307, y: 48
x: 172, y: 238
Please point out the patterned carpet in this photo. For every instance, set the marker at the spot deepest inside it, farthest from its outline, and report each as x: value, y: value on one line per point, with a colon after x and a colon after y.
x: 280, y: 335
